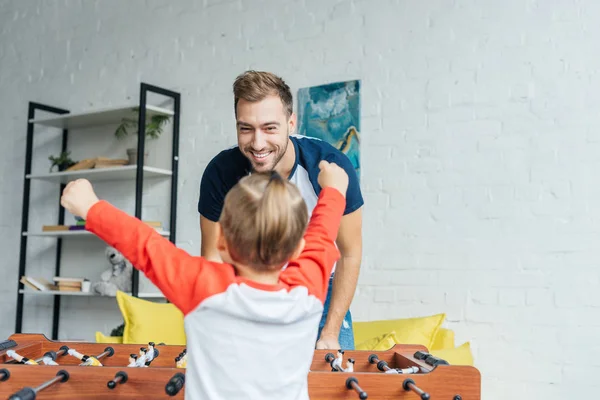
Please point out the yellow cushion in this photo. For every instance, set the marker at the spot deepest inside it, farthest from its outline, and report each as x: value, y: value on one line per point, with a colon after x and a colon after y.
x: 102, y: 338
x: 420, y: 330
x: 460, y: 355
x: 147, y: 321
x: 376, y: 343
x: 443, y: 340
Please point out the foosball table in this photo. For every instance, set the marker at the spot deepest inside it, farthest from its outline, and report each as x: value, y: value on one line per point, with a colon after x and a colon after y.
x: 33, y: 367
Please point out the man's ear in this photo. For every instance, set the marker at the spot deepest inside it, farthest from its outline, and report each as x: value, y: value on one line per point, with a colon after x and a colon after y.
x: 299, y: 249
x: 292, y: 124
x: 221, y: 242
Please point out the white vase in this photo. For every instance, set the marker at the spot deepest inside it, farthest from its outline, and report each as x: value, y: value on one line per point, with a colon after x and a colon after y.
x: 132, y: 156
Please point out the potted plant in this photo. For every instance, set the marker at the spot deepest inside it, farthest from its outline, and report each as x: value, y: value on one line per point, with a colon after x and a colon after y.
x: 154, y: 128
x: 63, y: 161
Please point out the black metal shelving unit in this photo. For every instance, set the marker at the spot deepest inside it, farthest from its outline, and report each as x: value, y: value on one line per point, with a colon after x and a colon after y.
x: 145, y: 88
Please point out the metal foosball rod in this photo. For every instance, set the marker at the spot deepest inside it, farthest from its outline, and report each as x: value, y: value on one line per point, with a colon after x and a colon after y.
x: 120, y: 377
x: 352, y: 383
x: 28, y: 393
x: 175, y: 384
x: 4, y: 374
x: 409, y: 384
x: 91, y: 360
x: 49, y: 357
x: 335, y: 366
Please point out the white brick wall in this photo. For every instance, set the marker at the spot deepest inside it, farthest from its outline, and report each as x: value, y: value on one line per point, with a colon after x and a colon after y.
x: 479, y: 149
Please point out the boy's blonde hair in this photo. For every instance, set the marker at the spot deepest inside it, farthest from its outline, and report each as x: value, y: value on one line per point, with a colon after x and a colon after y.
x: 264, y: 218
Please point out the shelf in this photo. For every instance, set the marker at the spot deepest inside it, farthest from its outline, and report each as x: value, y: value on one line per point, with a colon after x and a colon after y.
x: 102, y: 117
x: 148, y: 295
x: 102, y: 174
x: 75, y: 233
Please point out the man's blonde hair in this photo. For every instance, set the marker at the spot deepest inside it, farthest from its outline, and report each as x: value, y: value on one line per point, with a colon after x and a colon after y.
x: 254, y: 86
x: 264, y: 218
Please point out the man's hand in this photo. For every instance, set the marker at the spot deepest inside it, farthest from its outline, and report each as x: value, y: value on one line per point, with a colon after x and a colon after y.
x: 328, y: 343
x: 334, y: 176
x: 78, y: 197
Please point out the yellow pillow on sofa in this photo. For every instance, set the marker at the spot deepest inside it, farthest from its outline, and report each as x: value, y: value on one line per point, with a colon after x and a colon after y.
x: 102, y: 338
x: 419, y: 330
x: 383, y: 342
x: 443, y: 340
x: 460, y: 355
x: 147, y: 321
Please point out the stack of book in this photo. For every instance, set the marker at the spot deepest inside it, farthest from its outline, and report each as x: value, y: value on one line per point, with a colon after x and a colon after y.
x: 64, y: 284
x: 61, y: 284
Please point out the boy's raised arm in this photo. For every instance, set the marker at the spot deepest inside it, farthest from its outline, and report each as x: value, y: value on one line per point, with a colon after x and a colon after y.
x: 314, y: 265
x: 172, y: 270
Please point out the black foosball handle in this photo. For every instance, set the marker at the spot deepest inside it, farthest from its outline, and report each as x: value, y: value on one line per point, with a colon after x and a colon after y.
x: 120, y: 377
x: 175, y: 384
x: 26, y: 393
x: 352, y: 383
x: 409, y: 384
x: 435, y: 361
x: 4, y: 374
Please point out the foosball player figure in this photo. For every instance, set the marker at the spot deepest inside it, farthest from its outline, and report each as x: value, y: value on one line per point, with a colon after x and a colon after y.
x: 87, y: 361
x: 20, y: 359
x: 336, y: 365
x: 349, y: 365
x: 151, y: 353
x: 141, y: 360
x: 132, y: 360
x: 49, y: 358
x: 181, y: 360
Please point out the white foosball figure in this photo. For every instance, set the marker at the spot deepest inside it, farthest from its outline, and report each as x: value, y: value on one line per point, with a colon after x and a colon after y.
x: 47, y: 360
x: 337, y: 363
x: 132, y: 360
x: 409, y: 370
x: 141, y: 360
x: 349, y: 365
x: 150, y: 353
x: 20, y: 359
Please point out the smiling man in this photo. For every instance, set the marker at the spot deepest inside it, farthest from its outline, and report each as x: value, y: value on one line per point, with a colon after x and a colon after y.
x: 265, y: 123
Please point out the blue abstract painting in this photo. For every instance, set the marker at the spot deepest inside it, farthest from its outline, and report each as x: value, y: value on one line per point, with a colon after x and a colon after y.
x: 331, y: 113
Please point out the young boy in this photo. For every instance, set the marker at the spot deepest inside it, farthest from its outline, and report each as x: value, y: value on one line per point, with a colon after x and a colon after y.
x: 251, y: 322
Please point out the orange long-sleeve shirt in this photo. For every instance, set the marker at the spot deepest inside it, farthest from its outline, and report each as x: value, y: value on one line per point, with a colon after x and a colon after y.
x: 269, y: 330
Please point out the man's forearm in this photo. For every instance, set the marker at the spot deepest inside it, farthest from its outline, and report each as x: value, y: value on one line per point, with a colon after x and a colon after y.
x: 342, y: 292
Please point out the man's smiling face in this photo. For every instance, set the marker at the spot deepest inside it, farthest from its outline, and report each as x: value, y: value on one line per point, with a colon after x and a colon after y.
x: 263, y: 130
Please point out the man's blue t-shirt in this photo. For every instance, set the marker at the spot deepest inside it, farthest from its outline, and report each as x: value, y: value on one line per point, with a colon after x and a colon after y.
x: 229, y: 166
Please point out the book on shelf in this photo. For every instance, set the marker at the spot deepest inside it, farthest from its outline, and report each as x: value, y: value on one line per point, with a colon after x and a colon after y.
x: 97, y: 162
x: 37, y: 283
x: 68, y: 284
x: 54, y: 228
x: 80, y: 226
